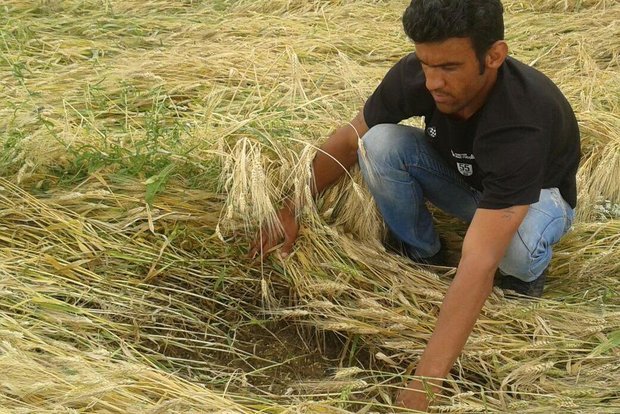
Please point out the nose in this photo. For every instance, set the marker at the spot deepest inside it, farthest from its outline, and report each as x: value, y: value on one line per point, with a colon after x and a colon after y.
x: 434, y: 79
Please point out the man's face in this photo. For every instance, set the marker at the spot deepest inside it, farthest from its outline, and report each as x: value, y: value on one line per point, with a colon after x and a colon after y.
x: 453, y: 77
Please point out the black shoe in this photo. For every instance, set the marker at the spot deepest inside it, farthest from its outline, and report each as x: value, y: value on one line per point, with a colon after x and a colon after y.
x: 395, y: 245
x: 532, y: 289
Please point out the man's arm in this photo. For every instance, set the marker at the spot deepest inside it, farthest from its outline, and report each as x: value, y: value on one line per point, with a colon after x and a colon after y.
x: 337, y: 155
x: 485, y: 244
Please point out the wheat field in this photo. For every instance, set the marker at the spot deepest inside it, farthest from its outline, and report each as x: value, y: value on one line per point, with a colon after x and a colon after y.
x: 144, y: 142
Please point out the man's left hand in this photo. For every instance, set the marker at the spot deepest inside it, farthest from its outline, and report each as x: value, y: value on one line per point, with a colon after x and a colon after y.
x: 414, y: 397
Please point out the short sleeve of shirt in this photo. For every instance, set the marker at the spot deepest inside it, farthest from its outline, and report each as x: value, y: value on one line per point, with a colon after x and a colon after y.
x: 512, y: 162
x: 401, y: 94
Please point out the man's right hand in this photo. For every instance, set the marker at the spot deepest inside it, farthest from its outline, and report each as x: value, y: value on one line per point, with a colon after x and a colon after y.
x: 268, y: 238
x: 331, y: 162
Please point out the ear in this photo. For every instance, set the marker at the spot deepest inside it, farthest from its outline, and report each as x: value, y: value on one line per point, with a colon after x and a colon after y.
x: 496, y: 55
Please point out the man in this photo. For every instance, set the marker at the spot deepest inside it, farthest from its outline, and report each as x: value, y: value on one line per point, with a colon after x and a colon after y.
x: 500, y: 150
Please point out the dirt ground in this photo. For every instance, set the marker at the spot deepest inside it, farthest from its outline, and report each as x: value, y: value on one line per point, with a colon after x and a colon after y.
x: 285, y: 355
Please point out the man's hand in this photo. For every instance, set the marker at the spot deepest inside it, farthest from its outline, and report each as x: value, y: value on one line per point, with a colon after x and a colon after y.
x: 331, y: 162
x: 415, y: 396
x: 269, y: 238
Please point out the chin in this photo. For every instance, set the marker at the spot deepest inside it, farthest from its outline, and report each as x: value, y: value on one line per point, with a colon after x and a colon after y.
x: 446, y: 109
x: 449, y: 109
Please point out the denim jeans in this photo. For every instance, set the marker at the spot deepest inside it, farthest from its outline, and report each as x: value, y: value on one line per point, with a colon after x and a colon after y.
x: 402, y: 170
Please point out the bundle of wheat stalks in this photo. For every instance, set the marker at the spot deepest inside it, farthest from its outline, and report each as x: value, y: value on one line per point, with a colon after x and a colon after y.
x: 145, y: 142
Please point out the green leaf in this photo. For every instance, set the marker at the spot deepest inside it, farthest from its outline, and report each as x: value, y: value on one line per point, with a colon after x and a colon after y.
x: 156, y: 183
x: 613, y: 341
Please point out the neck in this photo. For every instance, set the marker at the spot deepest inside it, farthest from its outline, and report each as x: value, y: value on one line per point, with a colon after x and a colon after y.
x: 481, y: 97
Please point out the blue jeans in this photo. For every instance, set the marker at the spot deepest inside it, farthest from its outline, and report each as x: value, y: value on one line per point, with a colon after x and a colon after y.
x: 402, y: 170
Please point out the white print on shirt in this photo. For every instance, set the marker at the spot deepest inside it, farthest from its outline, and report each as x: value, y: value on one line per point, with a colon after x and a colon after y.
x: 465, y: 169
x: 463, y: 156
x: 432, y: 132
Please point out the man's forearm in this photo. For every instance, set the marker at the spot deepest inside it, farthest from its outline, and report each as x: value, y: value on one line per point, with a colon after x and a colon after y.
x: 459, y: 312
x: 330, y: 163
x: 484, y: 246
x: 338, y: 154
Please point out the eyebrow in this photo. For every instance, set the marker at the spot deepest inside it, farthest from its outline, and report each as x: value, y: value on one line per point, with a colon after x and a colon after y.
x: 441, y: 65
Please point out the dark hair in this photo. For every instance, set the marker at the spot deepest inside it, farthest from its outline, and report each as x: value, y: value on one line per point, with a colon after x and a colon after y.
x: 437, y: 20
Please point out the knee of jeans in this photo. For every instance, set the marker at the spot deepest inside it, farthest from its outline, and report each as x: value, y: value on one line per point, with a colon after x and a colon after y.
x: 376, y: 142
x: 516, y: 261
x: 529, y: 253
x: 386, y: 144
x: 377, y: 155
x: 526, y: 262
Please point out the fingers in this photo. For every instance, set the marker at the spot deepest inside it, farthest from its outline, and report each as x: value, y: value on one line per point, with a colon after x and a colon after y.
x: 263, y: 245
x: 260, y: 247
x: 264, y: 250
x: 268, y: 238
x: 254, y: 246
x: 286, y: 248
x: 290, y: 236
x: 252, y: 252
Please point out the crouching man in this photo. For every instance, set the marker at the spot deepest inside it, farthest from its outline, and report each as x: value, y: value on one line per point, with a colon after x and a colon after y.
x: 500, y: 150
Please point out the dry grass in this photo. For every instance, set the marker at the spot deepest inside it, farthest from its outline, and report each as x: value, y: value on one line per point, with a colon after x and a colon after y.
x: 143, y: 142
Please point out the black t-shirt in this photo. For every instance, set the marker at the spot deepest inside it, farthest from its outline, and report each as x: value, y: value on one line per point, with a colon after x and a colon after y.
x: 523, y: 139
